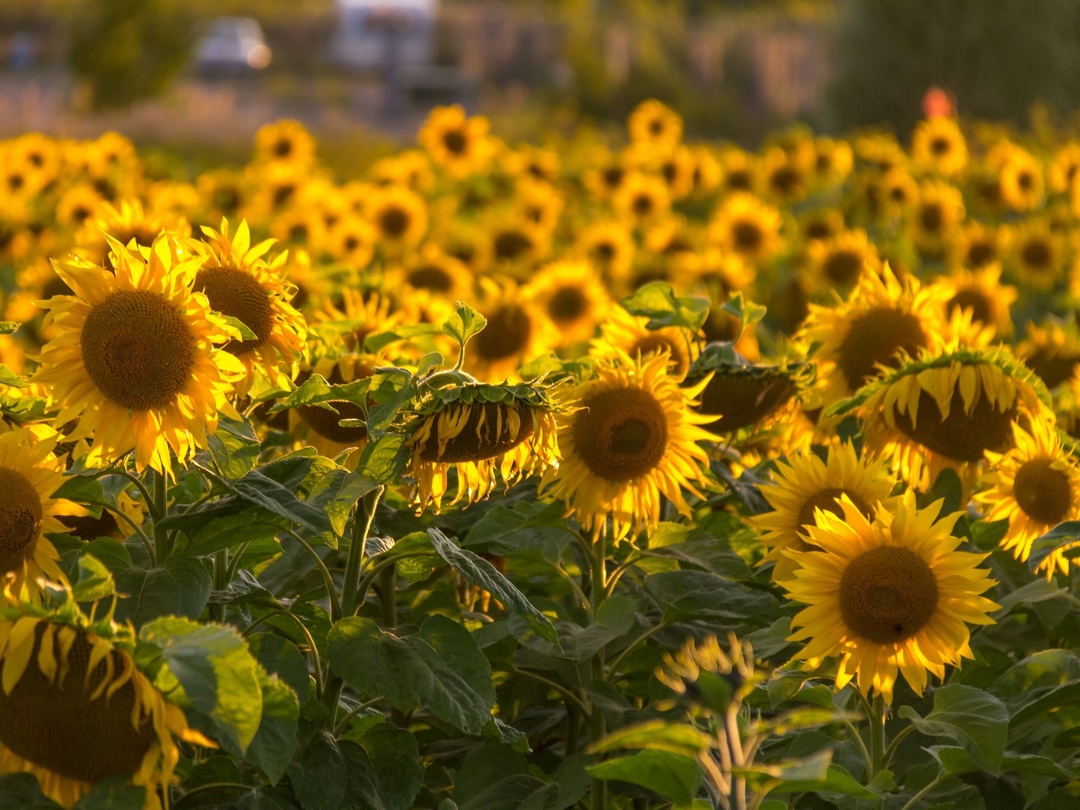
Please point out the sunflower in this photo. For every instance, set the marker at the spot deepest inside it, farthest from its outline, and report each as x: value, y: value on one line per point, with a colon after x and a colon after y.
x: 351, y: 241
x: 400, y: 218
x: 832, y: 161
x: 1052, y: 351
x: 225, y: 193
x: 486, y: 434
x: 641, y: 199
x: 936, y: 217
x: 653, y: 122
x: 882, y: 320
x: 1037, y: 255
x: 531, y: 161
x: 1064, y: 168
x: 134, y: 361
x: 80, y: 202
x: 888, y: 596
x: 739, y: 170
x: 820, y: 223
x: 358, y: 315
x: 299, y: 226
x: 517, y: 331
x: 539, y: 203
x: 842, y: 259
x: 744, y: 396
x: 606, y: 176
x: 573, y: 297
x: 947, y: 410
x: 285, y: 142
x: 747, y: 226
x: 979, y: 245
x: 981, y: 292
x: 633, y: 438
x: 124, y: 222
x: 880, y: 150
x: 239, y: 283
x: 624, y: 333
x: 321, y: 427
x: 1035, y: 486
x: 517, y: 244
x: 609, y: 247
x: 1019, y: 175
x: 410, y: 168
x: 456, y: 142
x: 75, y: 708
x: 433, y: 270
x: 29, y: 474
x: 939, y: 146
x: 805, y: 486
x: 785, y: 175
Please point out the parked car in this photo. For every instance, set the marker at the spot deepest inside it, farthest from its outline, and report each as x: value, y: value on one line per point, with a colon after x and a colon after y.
x: 378, y: 35
x: 231, y: 46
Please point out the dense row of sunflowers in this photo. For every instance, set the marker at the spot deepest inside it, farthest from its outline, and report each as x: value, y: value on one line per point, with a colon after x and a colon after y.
x: 878, y: 447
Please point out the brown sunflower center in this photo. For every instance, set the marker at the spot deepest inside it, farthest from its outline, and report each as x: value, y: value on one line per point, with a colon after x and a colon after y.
x: 1042, y: 491
x: 785, y: 180
x: 507, y: 333
x: 973, y: 299
x: 932, y: 217
x: 239, y: 295
x: 394, y: 221
x: 748, y: 236
x: 20, y: 519
x: 740, y: 180
x: 613, y: 176
x: 1037, y: 255
x: 511, y: 244
x: 605, y: 251
x: 282, y: 147
x: 741, y: 401
x: 1052, y: 367
x: 455, y: 141
x: 980, y: 254
x: 940, y: 146
x: 487, y: 433
x: 56, y: 726
x: 887, y: 595
x: 327, y: 423
x: 1025, y: 180
x: 826, y: 500
x: 962, y: 436
x: 818, y: 229
x: 431, y: 277
x: 642, y: 204
x: 567, y: 304
x: 138, y: 350
x: 621, y: 434
x: 843, y: 267
x: 87, y: 527
x: 875, y: 337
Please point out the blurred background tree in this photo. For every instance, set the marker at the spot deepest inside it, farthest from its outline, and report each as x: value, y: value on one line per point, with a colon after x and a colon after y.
x: 997, y: 58
x: 126, y: 50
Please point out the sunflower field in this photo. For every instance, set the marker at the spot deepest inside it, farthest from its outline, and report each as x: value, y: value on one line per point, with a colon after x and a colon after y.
x: 510, y: 476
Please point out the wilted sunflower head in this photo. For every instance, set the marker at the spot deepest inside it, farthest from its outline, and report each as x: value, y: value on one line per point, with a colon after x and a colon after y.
x: 708, y: 677
x: 740, y: 395
x: 946, y: 411
x: 319, y: 425
x: 887, y: 595
x: 1035, y: 486
x: 632, y: 439
x: 484, y: 436
x: 75, y: 708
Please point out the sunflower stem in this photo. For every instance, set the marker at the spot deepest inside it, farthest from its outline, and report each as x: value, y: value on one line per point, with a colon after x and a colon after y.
x: 597, y: 727
x: 216, y: 610
x: 363, y: 519
x: 877, y: 733
x: 161, y: 500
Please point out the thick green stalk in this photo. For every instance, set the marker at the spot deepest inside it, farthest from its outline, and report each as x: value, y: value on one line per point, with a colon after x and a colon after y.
x: 363, y: 520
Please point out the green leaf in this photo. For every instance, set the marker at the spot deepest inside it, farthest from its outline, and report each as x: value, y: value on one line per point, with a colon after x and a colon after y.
x: 337, y: 492
x: 181, y: 587
x: 672, y: 775
x: 441, y: 668
x: 234, y: 447
x: 479, y: 571
x: 515, y: 793
x: 391, y: 390
x: 395, y: 758
x: 658, y: 302
x: 93, y: 580
x: 268, y: 798
x: 956, y: 760
x: 279, y: 499
x: 238, y: 325
x: 21, y: 790
x: 272, y: 748
x: 613, y: 621
x: 81, y: 488
x: 9, y: 327
x: 837, y: 780
x: 318, y: 774
x: 464, y: 324
x: 12, y: 379
x: 509, y: 736
x: 948, y: 487
x: 1038, y: 590
x: 702, y: 596
x: 1061, y: 535
x: 975, y: 719
x: 657, y: 734
x: 528, y: 524
x: 114, y: 793
x: 280, y: 657
x: 211, y: 667
x: 229, y: 531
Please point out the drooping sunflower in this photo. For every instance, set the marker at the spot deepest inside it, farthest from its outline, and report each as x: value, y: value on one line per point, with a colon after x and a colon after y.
x: 632, y: 439
x: 947, y: 410
x: 487, y: 435
x: 740, y: 396
x: 321, y: 427
x: 1035, y: 486
x: 134, y: 357
x: 75, y: 709
x: 654, y: 123
x: 888, y: 597
x: 573, y: 297
x: 624, y: 333
x: 458, y: 143
x: 240, y: 283
x: 747, y: 226
x: 805, y: 486
x: 29, y: 474
x: 882, y: 320
x: 939, y: 146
